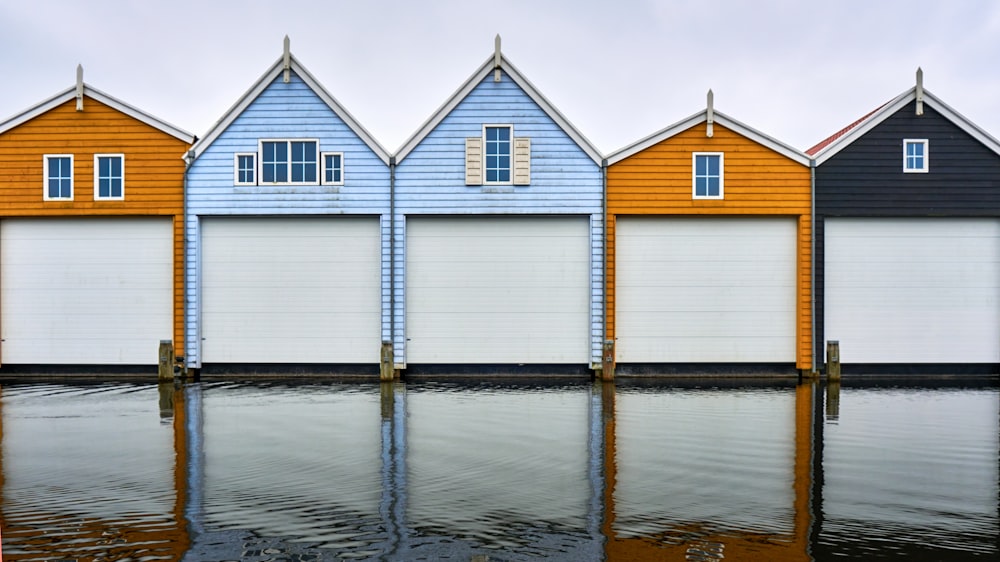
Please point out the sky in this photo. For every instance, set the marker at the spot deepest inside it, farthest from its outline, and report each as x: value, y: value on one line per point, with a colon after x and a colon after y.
x: 618, y: 70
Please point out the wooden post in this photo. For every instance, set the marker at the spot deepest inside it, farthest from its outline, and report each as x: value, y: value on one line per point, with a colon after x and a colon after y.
x: 166, y: 363
x: 387, y: 371
x: 608, y: 361
x: 833, y: 360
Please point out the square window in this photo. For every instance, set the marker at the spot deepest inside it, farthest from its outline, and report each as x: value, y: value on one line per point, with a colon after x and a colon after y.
x: 333, y: 168
x: 915, y: 156
x: 288, y: 161
x: 109, y: 176
x: 246, y: 169
x: 58, y: 177
x: 707, y: 175
x: 498, y: 153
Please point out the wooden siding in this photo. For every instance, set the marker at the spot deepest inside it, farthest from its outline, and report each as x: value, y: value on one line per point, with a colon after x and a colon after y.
x: 283, y: 111
x: 431, y: 180
x: 154, y: 173
x: 866, y: 179
x: 757, y: 181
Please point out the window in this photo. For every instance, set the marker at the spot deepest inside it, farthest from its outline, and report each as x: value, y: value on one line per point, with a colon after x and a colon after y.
x: 333, y: 168
x: 707, y: 175
x: 246, y: 169
x: 288, y: 161
x: 915, y: 155
x: 497, y: 154
x: 58, y: 177
x: 109, y: 176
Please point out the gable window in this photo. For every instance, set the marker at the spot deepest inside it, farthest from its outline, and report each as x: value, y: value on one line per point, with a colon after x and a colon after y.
x: 288, y: 161
x: 498, y: 155
x: 246, y: 169
x: 58, y: 177
x: 109, y: 176
x: 707, y: 182
x: 333, y: 168
x: 915, y: 156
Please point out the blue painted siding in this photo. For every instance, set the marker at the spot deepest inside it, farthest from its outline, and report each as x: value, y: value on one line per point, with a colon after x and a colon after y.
x: 282, y: 111
x: 430, y: 180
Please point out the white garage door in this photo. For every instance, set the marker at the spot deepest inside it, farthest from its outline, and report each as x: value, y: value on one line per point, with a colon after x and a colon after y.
x: 498, y: 290
x: 85, y: 291
x: 913, y: 290
x: 691, y: 290
x: 291, y: 290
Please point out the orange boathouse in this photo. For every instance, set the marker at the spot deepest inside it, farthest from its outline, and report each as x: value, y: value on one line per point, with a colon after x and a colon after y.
x: 708, y: 248
x: 91, y: 232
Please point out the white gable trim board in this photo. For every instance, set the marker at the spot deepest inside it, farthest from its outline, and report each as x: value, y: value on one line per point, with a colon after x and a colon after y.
x: 913, y: 290
x: 291, y: 290
x: 85, y: 291
x: 697, y: 290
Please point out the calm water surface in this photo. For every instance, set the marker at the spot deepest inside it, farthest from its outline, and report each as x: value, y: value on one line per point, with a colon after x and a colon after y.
x: 681, y: 470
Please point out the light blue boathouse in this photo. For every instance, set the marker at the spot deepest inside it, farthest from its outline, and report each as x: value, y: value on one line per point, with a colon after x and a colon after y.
x: 498, y: 231
x: 287, y: 230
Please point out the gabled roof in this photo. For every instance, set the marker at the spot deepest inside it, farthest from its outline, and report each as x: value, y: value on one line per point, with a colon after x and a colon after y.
x: 702, y: 117
x: 843, y: 138
x: 95, y: 94
x: 262, y: 83
x: 482, y: 72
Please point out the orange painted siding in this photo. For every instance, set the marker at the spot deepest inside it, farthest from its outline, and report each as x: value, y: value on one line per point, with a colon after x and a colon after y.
x: 154, y: 173
x: 757, y: 181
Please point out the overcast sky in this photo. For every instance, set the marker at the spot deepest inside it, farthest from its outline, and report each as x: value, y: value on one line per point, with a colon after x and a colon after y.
x: 618, y: 70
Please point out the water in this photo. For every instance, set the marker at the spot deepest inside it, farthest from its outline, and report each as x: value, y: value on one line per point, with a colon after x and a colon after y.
x: 672, y: 470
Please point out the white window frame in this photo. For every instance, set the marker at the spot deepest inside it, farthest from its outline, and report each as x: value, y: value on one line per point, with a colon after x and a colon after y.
x: 926, y: 156
x: 322, y: 162
x: 46, y: 177
x: 97, y: 177
x: 236, y: 168
x: 289, y: 141
x: 694, y: 175
x: 510, y: 154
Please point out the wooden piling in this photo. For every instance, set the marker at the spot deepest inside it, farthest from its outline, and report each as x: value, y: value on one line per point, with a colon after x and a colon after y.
x: 608, y: 361
x: 166, y: 362
x: 833, y: 360
x: 387, y: 371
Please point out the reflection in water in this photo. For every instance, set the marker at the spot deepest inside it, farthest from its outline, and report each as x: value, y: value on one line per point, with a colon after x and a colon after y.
x: 698, y: 470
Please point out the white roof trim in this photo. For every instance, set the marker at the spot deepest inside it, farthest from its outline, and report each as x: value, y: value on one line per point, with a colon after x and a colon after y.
x: 277, y: 69
x: 95, y: 94
x: 890, y: 109
x: 720, y: 119
x: 463, y: 91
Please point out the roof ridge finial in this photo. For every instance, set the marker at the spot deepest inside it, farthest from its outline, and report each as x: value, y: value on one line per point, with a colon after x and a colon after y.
x: 79, y: 87
x: 287, y: 59
x: 496, y: 58
x: 920, y: 91
x: 710, y: 114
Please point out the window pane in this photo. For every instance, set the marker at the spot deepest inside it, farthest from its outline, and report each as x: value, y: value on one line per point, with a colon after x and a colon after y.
x: 713, y: 165
x: 491, y: 175
x: 700, y: 165
x: 503, y: 175
x: 105, y: 188
x: 701, y: 187
x: 713, y: 186
x: 116, y: 186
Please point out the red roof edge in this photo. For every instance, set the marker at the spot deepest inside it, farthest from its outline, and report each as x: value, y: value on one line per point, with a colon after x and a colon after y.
x: 829, y: 140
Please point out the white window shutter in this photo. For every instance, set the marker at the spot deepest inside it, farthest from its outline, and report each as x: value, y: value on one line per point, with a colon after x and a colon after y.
x: 522, y: 161
x: 474, y: 161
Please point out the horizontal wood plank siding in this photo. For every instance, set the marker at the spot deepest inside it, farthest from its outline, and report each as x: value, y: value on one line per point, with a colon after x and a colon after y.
x: 154, y: 173
x: 866, y: 179
x: 757, y: 182
x: 564, y: 180
x: 283, y: 111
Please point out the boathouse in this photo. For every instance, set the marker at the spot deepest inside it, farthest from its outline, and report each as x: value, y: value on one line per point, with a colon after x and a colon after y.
x: 908, y: 236
x: 91, y: 232
x: 708, y: 247
x: 498, y: 227
x: 288, y: 230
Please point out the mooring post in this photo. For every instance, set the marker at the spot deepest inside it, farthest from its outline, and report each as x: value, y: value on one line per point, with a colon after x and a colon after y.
x: 608, y: 361
x: 166, y: 363
x: 833, y: 360
x: 387, y: 370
